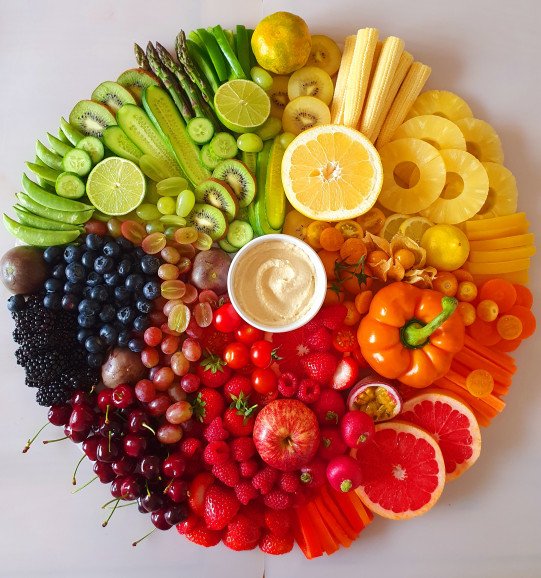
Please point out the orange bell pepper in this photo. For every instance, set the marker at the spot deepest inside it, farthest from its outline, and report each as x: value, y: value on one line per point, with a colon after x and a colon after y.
x: 411, y: 334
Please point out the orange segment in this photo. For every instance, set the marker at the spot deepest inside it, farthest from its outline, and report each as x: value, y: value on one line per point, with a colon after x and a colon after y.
x: 331, y: 173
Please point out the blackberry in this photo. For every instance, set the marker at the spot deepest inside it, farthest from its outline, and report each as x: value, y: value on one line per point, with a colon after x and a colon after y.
x: 52, y: 394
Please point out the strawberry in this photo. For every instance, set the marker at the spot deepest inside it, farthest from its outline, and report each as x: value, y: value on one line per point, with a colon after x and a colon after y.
x: 278, y: 521
x: 228, y: 473
x: 320, y: 366
x: 213, y: 371
x: 207, y: 405
x: 216, y: 452
x: 203, y: 536
x: 332, y: 444
x: 221, y: 506
x: 240, y: 417
x: 189, y: 524
x: 242, y: 448
x: 215, y: 431
x: 346, y: 374
x: 329, y: 408
x: 277, y: 500
x: 263, y: 399
x: 276, y: 545
x: 245, y: 492
x: 319, y: 340
x: 254, y: 510
x: 288, y: 384
x: 331, y: 316
x: 248, y: 469
x: 191, y: 447
x: 241, y: 533
x: 215, y: 341
x: 293, y: 346
x: 309, y: 391
x: 198, y: 490
x: 289, y: 482
x: 265, y: 479
x: 236, y: 385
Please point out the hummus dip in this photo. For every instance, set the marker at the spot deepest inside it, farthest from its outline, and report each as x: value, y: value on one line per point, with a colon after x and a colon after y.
x: 275, y: 283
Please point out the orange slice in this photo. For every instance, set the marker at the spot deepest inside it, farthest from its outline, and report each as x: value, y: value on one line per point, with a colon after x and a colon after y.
x: 331, y: 173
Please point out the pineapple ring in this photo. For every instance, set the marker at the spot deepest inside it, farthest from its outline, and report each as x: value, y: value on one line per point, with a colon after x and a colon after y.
x: 441, y: 103
x: 426, y: 178
x: 433, y: 129
x: 465, y: 191
x: 481, y: 140
x: 502, y: 193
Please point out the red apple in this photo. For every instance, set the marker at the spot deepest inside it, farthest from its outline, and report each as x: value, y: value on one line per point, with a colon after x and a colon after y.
x: 286, y: 434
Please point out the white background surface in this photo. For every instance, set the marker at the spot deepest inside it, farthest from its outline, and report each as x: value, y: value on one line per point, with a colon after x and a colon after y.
x: 487, y: 523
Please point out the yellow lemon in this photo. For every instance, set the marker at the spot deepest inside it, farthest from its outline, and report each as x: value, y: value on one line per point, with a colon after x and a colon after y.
x: 446, y: 246
x: 281, y: 42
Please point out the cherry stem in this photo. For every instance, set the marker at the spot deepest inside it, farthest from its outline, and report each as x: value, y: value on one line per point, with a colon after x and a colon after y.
x: 85, y: 485
x: 31, y: 441
x: 108, y: 507
x: 111, y: 514
x: 149, y: 428
x: 145, y: 536
x: 56, y: 440
x: 107, y: 414
x: 73, y: 479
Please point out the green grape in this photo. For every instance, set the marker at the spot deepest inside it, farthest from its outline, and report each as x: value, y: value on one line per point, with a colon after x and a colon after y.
x: 154, y: 227
x: 171, y: 187
x: 203, y: 243
x: 179, y: 317
x: 148, y: 212
x: 261, y: 77
x: 285, y: 139
x: 166, y: 206
x: 151, y: 195
x: 170, y: 232
x: 185, y: 203
x: 173, y: 220
x: 249, y: 142
x: 270, y: 128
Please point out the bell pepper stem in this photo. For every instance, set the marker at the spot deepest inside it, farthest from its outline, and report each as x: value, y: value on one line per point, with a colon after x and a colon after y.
x: 415, y: 334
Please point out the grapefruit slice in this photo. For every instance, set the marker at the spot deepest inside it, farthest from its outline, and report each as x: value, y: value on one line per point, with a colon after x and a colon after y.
x: 403, y: 470
x: 453, y: 426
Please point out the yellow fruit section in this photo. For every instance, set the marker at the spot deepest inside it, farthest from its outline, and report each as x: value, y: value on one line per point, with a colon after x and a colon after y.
x: 496, y: 227
x: 502, y: 196
x: 481, y: 140
x: 502, y: 254
x: 331, y: 173
x: 442, y: 103
x: 435, y: 130
x: 503, y: 243
x: 278, y: 95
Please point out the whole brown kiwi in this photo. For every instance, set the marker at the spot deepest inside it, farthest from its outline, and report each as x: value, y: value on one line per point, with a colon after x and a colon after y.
x: 23, y: 270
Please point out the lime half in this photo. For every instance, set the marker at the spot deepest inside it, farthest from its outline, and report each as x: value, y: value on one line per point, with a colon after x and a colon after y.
x: 116, y: 186
x: 242, y: 105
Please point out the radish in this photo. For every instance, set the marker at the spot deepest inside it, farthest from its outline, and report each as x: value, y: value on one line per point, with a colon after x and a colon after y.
x: 344, y: 473
x: 357, y: 428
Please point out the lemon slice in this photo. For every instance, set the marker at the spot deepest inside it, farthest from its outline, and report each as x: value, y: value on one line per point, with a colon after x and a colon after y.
x: 414, y: 228
x: 116, y: 186
x: 392, y: 225
x: 331, y: 173
x: 242, y: 105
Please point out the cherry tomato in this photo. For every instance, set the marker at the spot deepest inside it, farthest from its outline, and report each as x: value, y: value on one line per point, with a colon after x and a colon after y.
x: 344, y: 339
x: 264, y: 380
x: 248, y: 334
x: 262, y: 353
x: 236, y: 355
x: 226, y: 319
x: 356, y: 353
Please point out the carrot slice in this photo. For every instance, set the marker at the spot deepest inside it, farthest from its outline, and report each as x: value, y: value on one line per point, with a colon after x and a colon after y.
x: 338, y: 515
x: 524, y: 296
x: 344, y: 504
x: 327, y: 541
x: 508, y: 345
x: 484, y: 332
x: 501, y: 291
x: 338, y: 533
x: 505, y: 361
x: 528, y: 320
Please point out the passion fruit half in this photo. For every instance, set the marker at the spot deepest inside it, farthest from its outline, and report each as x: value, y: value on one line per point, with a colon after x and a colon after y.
x: 376, y: 396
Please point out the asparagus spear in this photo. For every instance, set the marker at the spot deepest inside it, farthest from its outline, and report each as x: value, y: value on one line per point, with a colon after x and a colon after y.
x: 141, y: 57
x: 198, y: 79
x: 169, y: 81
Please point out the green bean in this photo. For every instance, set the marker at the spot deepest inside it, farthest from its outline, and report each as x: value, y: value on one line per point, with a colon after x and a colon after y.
x: 39, y: 237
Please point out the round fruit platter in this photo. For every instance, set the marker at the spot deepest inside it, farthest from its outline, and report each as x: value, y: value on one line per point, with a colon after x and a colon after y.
x: 272, y: 285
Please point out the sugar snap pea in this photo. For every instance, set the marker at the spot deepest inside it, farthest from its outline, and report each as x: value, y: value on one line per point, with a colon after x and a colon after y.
x: 72, y: 218
x: 52, y: 200
x: 31, y: 220
x: 39, y: 237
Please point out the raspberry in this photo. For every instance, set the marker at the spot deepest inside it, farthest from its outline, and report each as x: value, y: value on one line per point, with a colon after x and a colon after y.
x: 242, y: 449
x: 278, y: 521
x: 288, y: 384
x: 189, y: 447
x: 265, y: 479
x: 245, y: 492
x: 289, y: 482
x: 215, y: 431
x: 277, y: 500
x: 216, y: 453
x: 309, y: 391
x: 248, y: 469
x: 227, y: 473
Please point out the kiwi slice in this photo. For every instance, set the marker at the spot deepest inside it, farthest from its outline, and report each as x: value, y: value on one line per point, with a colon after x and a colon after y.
x: 278, y: 95
x: 91, y: 118
x: 208, y: 219
x: 218, y: 194
x: 136, y: 80
x: 239, y: 178
x: 324, y: 54
x: 305, y: 112
x: 310, y: 81
x: 112, y: 95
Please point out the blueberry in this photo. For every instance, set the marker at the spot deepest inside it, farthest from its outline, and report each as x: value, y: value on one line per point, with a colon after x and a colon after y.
x: 89, y: 307
x: 150, y: 264
x: 123, y: 338
x: 72, y: 253
x: 94, y: 279
x: 134, y: 282
x: 95, y: 359
x: 103, y: 264
x: 94, y: 242
x: 86, y: 320
x: 109, y: 334
x: 143, y: 305
x: 140, y: 323
x: 59, y: 271
x: 52, y: 254
x: 99, y: 293
x: 122, y: 294
x: 75, y: 272
x: 53, y: 301
x: 111, y: 249
x: 16, y: 302
x: 136, y: 344
x: 83, y: 334
x: 69, y: 302
x: 151, y: 290
x: 139, y: 253
x: 124, y: 244
x: 126, y: 315
x: 94, y: 344
x: 52, y: 285
x: 88, y: 258
x: 86, y: 292
x: 113, y: 279
x: 124, y: 267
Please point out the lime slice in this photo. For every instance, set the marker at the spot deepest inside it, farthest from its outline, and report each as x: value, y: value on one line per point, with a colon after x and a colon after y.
x: 116, y: 186
x: 242, y: 105
x: 414, y: 228
x: 391, y: 226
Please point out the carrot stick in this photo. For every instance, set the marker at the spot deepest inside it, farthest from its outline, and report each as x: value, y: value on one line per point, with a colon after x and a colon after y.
x: 339, y: 516
x: 346, y: 507
x: 365, y: 514
x: 465, y: 358
x: 504, y: 361
x: 327, y: 541
x: 332, y: 524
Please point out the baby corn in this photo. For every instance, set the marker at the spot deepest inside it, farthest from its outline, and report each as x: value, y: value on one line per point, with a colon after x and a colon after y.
x: 337, y: 109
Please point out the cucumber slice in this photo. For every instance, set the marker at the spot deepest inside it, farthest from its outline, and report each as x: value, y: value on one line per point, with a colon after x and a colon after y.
x: 223, y: 145
x: 242, y: 45
x: 138, y: 127
x: 46, y: 173
x: 117, y: 141
x: 93, y: 146
x: 214, y: 53
x: 208, y: 159
x: 239, y: 233
x: 226, y: 246
x: 200, y: 129
x: 70, y: 186
x: 50, y: 158
x: 72, y: 134
x: 275, y: 197
x: 31, y: 220
x: 51, y: 200
x: 165, y: 115
x: 77, y: 161
x: 200, y: 60
x: 72, y: 218
x: 229, y: 54
x: 59, y: 146
x: 39, y: 237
